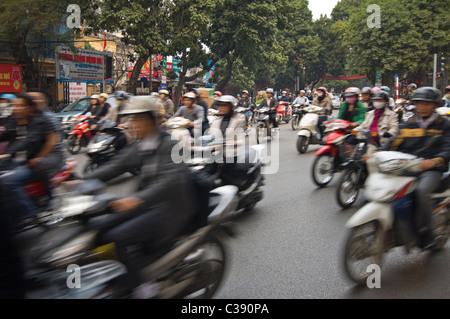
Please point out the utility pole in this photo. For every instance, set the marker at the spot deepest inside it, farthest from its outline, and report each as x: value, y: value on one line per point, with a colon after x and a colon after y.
x: 435, y: 70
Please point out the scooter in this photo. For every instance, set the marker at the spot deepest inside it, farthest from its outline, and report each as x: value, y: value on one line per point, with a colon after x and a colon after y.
x: 45, y: 196
x: 284, y: 112
x: 245, y: 174
x: 80, y: 135
x: 308, y: 129
x: 109, y: 140
x: 387, y: 220
x: 190, y: 266
x: 335, y: 152
x: 263, y: 127
x: 355, y: 171
x: 297, y: 115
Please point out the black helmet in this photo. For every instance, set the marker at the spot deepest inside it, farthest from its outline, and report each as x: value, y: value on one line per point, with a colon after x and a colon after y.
x: 428, y: 93
x: 380, y: 95
x: 366, y: 90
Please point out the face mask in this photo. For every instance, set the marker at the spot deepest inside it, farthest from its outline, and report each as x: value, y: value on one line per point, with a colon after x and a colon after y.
x: 351, y: 100
x: 379, y: 105
x: 319, y: 94
x: 4, y: 105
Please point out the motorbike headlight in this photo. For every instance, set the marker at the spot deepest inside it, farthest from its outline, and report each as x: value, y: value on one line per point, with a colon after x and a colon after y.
x: 71, y: 251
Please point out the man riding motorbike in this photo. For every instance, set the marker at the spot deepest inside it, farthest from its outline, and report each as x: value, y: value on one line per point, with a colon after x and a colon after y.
x: 302, y: 100
x: 164, y: 203
x: 272, y: 104
x: 38, y: 153
x: 414, y: 134
x: 366, y: 98
x: 191, y: 111
x: 246, y: 103
x: 325, y: 103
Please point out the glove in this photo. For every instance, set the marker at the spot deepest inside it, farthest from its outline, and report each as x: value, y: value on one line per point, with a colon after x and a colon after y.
x: 387, y: 135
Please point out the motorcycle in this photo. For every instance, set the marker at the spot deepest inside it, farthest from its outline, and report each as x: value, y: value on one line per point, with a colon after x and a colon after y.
x: 263, y: 127
x: 190, y: 266
x: 245, y: 174
x: 284, y: 112
x: 109, y: 140
x: 354, y: 170
x: 404, y: 110
x: 178, y: 127
x: 308, y: 129
x: 80, y: 135
x: 335, y: 152
x: 240, y: 112
x: 297, y: 115
x: 387, y: 220
x: 45, y: 196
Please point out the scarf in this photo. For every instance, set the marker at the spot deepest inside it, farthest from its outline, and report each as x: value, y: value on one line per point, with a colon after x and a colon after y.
x: 374, y: 125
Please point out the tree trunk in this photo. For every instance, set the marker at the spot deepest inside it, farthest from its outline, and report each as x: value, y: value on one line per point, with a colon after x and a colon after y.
x: 228, y: 74
x: 133, y: 81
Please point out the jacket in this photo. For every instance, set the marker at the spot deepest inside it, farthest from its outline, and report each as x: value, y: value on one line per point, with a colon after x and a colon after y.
x: 162, y: 181
x: 236, y: 126
x: 388, y: 122
x: 325, y: 104
x: 273, y: 104
x: 358, y: 117
x: 412, y: 138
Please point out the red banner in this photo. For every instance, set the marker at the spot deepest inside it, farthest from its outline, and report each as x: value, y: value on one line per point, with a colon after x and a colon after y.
x: 10, y: 78
x: 344, y: 78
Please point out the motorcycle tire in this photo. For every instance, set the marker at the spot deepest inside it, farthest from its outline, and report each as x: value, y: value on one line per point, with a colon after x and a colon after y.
x: 209, y: 270
x: 347, y: 191
x: 260, y: 134
x: 323, y: 170
x: 295, y: 123
x: 73, y: 144
x: 302, y: 144
x: 363, y: 242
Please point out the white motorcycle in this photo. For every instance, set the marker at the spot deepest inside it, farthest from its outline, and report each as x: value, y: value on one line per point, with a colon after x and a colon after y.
x: 308, y: 130
x: 387, y: 220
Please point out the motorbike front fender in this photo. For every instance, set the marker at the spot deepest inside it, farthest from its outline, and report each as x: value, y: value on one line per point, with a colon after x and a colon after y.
x: 305, y: 133
x: 373, y: 211
x: 327, y: 149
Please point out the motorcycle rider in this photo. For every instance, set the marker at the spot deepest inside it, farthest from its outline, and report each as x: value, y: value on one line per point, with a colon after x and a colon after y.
x: 38, y: 153
x: 366, y: 98
x: 325, y: 103
x: 190, y: 111
x: 391, y: 100
x: 215, y: 104
x: 301, y: 100
x: 167, y: 102
x: 412, y: 137
x: 246, y: 103
x: 352, y: 109
x: 6, y: 106
x: 284, y: 97
x: 310, y: 96
x: 272, y: 104
x: 97, y: 112
x: 412, y: 87
x: 164, y: 204
x: 382, y: 120
x: 446, y: 97
x: 204, y: 105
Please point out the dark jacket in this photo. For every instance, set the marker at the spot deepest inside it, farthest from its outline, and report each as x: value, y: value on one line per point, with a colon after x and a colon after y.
x: 246, y: 103
x: 412, y: 138
x: 162, y: 181
x: 273, y: 104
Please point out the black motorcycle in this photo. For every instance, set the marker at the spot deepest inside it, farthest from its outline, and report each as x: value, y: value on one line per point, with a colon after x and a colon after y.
x: 108, y: 141
x: 297, y: 114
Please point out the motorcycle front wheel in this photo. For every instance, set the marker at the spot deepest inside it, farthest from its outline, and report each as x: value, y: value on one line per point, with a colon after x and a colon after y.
x: 302, y: 144
x: 364, y: 247
x: 347, y: 190
x: 323, y: 170
x: 261, y: 133
x: 207, y: 265
x: 295, y: 122
x: 73, y: 144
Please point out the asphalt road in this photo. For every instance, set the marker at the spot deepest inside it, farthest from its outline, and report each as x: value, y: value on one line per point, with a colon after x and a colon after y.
x: 290, y: 246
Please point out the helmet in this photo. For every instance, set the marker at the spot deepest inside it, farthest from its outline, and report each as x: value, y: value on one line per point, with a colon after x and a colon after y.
x: 352, y: 91
x: 121, y: 95
x: 375, y: 89
x: 380, y: 95
x: 428, y: 93
x: 269, y: 90
x: 366, y: 90
x: 95, y: 96
x: 104, y: 95
x: 322, y: 88
x: 284, y: 92
x: 412, y: 86
x: 446, y: 89
x: 154, y: 94
x: 227, y: 99
x: 196, y: 91
x: 385, y: 88
x: 218, y: 93
x: 163, y: 92
x: 7, y: 96
x: 245, y: 92
x: 141, y: 104
x: 189, y: 95
x: 303, y: 91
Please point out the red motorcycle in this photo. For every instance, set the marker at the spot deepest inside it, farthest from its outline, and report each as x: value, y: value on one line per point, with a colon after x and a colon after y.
x: 80, y: 135
x: 334, y: 153
x: 284, y: 112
